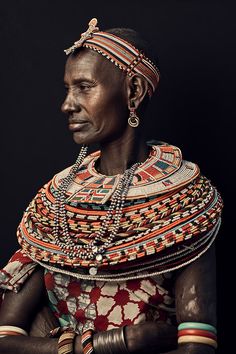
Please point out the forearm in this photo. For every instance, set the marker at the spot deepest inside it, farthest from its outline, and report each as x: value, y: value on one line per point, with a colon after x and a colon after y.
x: 192, y: 348
x: 158, y: 337
x: 28, y: 345
x: 35, y: 345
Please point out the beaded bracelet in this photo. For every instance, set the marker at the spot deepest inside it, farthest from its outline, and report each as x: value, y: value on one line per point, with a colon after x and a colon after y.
x: 87, y: 342
x: 12, y: 331
x: 197, y: 332
x: 66, y: 342
x: 197, y: 339
x: 197, y: 325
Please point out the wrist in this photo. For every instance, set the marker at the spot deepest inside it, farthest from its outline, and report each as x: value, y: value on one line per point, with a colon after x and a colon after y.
x: 78, y: 349
x: 131, y: 336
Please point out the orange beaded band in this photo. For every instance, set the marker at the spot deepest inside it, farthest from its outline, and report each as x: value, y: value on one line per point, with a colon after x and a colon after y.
x: 120, y: 52
x: 87, y: 342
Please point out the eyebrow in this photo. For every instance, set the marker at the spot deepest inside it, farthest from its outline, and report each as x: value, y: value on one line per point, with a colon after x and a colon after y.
x: 79, y: 80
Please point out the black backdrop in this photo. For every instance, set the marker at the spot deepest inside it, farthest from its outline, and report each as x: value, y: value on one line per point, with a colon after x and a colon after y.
x: 194, y: 108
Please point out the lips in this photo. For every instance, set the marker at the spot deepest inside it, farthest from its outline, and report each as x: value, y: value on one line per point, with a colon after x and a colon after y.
x: 75, y: 126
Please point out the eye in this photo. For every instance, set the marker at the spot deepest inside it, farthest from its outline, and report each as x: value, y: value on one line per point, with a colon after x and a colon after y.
x: 84, y: 86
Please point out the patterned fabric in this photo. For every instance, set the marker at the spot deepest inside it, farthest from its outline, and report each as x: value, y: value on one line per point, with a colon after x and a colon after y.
x: 86, y: 304
x: 97, y: 305
x: 171, y: 210
x: 15, y: 273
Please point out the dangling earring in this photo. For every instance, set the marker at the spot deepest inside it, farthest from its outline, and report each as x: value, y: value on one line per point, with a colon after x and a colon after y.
x: 133, y: 118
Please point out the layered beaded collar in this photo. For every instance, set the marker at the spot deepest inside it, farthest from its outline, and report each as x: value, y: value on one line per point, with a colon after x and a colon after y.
x: 171, y: 210
x: 162, y: 172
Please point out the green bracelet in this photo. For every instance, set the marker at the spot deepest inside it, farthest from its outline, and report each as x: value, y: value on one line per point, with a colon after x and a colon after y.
x: 197, y: 325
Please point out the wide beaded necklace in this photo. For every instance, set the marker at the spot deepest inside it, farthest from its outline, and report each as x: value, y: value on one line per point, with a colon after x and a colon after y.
x: 154, y: 218
x: 95, y: 249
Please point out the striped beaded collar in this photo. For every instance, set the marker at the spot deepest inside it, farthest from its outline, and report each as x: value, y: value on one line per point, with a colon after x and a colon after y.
x: 162, y: 172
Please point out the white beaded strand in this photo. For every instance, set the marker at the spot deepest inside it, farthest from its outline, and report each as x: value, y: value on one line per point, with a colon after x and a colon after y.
x: 60, y: 211
x: 95, y: 248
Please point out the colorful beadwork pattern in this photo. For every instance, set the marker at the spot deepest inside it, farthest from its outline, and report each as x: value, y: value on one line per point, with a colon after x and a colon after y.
x: 125, y: 56
x: 120, y: 52
x: 87, y: 342
x: 171, y: 210
x: 159, y: 174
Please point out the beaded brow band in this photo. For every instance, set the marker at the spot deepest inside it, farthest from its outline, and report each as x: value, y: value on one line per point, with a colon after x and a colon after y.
x: 118, y: 51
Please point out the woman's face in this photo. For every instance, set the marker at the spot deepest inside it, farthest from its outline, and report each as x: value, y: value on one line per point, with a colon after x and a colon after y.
x: 96, y: 100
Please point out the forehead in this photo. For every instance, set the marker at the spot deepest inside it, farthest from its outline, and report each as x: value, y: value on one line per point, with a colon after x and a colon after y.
x: 91, y: 65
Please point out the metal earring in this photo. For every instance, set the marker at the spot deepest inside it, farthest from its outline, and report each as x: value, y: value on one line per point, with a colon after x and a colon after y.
x: 133, y: 118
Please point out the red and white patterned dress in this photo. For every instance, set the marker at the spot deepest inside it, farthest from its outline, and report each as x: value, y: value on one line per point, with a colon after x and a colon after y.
x: 101, y: 305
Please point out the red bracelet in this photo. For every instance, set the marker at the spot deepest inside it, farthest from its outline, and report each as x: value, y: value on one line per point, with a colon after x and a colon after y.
x: 197, y: 332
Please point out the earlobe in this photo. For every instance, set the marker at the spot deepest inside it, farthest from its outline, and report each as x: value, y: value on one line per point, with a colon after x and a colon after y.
x: 137, y: 90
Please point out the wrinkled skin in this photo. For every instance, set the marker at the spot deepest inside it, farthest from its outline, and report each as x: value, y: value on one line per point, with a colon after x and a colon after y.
x: 97, y: 105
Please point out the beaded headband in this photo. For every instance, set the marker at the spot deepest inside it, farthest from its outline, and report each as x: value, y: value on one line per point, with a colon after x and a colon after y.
x: 120, y: 52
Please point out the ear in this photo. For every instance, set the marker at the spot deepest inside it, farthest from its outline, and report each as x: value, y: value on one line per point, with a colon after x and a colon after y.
x: 137, y: 90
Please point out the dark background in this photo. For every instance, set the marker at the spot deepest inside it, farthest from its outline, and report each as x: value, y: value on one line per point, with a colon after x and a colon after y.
x: 194, y: 108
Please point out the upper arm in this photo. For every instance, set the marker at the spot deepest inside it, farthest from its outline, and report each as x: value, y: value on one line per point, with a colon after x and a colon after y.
x: 19, y: 309
x: 195, y: 293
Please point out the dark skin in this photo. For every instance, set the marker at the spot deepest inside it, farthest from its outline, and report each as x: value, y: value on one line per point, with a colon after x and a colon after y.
x: 97, y: 104
x: 100, y: 95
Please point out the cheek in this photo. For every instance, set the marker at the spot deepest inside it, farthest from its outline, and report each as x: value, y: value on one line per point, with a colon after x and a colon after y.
x: 110, y: 106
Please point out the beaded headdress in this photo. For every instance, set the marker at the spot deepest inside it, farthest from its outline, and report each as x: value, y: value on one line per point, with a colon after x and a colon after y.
x: 120, y: 52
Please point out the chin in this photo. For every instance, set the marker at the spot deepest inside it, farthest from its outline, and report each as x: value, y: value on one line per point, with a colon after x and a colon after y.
x: 81, y: 139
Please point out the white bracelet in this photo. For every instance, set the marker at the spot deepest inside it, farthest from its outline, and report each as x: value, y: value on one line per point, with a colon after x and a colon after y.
x: 12, y: 331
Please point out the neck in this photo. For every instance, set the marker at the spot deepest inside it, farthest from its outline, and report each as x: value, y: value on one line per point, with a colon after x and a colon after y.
x: 119, y: 155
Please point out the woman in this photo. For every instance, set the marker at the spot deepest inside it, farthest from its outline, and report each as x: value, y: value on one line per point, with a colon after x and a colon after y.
x: 120, y: 245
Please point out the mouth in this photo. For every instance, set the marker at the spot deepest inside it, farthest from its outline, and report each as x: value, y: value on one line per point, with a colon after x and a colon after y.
x: 75, y: 126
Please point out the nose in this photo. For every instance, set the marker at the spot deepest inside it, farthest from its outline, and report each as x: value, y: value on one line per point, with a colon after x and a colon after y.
x: 70, y: 104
